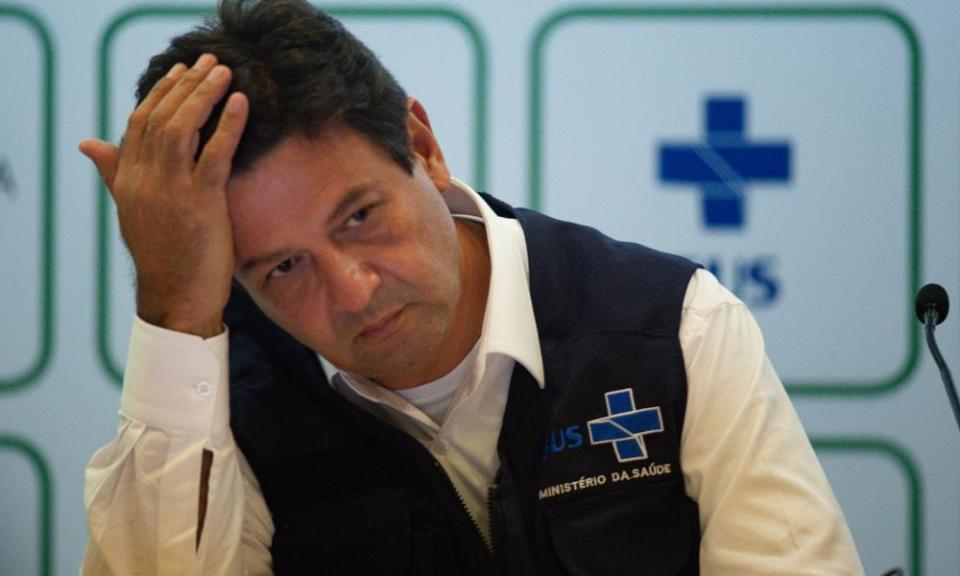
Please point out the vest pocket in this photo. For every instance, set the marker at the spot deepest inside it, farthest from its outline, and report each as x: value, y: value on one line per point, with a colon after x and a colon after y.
x: 366, y: 534
x: 648, y: 529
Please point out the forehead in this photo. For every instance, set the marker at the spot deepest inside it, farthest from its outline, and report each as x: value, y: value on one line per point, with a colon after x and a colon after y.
x: 327, y: 164
x: 295, y: 154
x: 299, y: 175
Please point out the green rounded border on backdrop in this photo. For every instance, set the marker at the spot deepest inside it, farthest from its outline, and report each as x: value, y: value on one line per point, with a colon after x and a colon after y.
x: 45, y: 481
x: 46, y: 312
x: 109, y: 364
x: 773, y: 13
x: 901, y: 457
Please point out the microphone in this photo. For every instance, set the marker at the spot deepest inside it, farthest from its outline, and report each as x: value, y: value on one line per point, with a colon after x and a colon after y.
x: 931, y: 308
x: 932, y: 298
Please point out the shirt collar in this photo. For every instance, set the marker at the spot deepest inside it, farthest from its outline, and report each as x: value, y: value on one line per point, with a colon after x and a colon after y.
x: 509, y: 326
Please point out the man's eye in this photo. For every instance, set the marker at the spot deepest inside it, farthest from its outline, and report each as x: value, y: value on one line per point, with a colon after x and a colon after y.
x: 359, y: 216
x: 283, y: 267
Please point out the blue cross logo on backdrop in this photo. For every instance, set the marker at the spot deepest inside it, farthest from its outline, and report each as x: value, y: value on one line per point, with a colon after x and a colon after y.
x: 625, y: 426
x: 725, y: 164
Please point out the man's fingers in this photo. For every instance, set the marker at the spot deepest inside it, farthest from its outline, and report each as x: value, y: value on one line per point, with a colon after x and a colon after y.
x: 105, y: 156
x: 197, y: 108
x: 139, y: 118
x: 179, y: 145
x: 213, y: 167
x: 160, y: 125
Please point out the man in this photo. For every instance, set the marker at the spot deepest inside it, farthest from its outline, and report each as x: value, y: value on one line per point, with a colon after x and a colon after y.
x: 509, y: 394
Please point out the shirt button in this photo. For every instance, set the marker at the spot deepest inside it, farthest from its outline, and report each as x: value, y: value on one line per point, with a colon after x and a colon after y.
x: 203, y: 388
x: 440, y: 447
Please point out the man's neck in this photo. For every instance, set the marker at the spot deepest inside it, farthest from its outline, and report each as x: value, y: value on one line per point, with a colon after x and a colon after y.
x: 474, y: 287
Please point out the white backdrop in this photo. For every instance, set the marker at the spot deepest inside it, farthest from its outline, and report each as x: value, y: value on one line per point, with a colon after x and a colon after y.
x: 809, y: 156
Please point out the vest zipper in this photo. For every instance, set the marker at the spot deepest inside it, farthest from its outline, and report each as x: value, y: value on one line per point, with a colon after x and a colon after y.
x: 493, y: 493
x: 391, y: 435
x: 488, y: 546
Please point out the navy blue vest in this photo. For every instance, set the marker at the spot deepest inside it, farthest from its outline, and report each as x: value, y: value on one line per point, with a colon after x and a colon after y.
x: 590, y: 479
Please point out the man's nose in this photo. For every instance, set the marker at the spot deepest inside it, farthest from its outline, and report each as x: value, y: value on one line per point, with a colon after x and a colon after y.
x: 350, y: 283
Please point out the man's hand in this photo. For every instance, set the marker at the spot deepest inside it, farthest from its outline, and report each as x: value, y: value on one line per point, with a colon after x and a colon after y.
x: 172, y: 208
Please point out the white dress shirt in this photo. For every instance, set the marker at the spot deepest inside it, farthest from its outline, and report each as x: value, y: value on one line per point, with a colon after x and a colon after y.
x: 765, y: 504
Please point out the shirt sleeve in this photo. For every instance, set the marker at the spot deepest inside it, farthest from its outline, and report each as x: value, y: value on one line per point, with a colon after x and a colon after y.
x: 765, y: 504
x: 142, y: 489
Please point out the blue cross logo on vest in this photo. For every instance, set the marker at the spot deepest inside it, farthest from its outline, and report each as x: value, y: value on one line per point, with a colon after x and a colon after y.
x: 625, y: 426
x: 725, y: 164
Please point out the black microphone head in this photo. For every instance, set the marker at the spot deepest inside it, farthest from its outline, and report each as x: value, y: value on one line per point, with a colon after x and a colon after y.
x: 932, y: 296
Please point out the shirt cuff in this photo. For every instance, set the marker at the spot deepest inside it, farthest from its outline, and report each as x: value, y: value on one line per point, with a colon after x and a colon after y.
x: 176, y: 381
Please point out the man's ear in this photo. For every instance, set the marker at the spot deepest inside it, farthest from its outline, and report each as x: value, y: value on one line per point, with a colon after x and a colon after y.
x: 424, y: 146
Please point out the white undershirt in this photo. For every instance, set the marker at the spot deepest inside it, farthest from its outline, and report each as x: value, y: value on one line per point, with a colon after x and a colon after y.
x: 434, y: 398
x: 765, y: 505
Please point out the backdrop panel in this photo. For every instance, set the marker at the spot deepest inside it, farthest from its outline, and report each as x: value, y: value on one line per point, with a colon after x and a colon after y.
x: 733, y: 144
x: 26, y: 189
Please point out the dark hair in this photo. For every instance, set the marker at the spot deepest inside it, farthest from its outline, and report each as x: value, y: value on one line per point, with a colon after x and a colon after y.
x: 301, y: 71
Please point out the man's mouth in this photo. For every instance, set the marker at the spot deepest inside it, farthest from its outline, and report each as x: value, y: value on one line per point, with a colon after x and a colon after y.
x: 382, y: 326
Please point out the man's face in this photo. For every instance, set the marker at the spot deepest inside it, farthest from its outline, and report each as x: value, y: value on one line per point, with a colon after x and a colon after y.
x: 353, y: 256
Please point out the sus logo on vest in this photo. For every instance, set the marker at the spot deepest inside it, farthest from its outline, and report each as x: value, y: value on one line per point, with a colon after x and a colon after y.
x: 625, y: 426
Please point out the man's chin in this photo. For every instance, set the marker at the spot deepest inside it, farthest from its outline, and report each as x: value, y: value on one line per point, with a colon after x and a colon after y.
x: 396, y: 365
